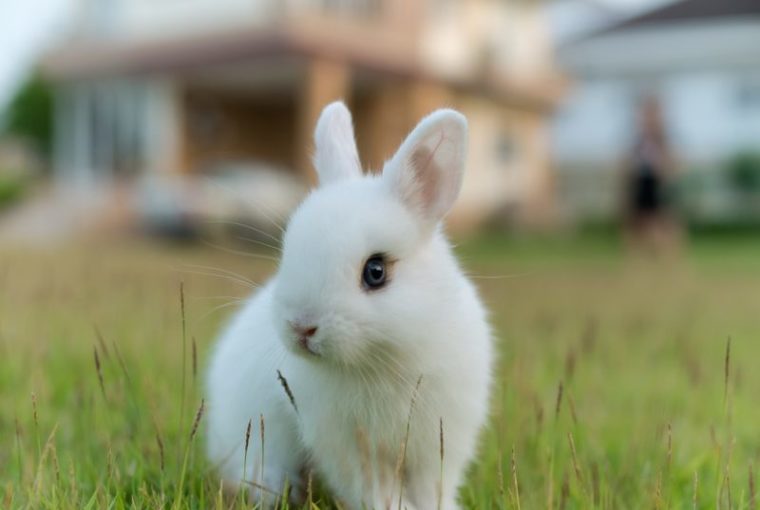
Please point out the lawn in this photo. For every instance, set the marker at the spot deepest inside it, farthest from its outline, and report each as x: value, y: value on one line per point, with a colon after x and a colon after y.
x: 615, y: 388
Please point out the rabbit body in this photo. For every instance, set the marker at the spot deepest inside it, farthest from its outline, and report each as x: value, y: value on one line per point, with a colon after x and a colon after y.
x: 390, y: 380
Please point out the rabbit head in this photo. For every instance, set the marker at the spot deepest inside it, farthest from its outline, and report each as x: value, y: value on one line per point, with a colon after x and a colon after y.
x: 365, y: 267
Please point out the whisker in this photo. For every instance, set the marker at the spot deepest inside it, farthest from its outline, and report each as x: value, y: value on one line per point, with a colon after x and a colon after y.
x: 262, y: 243
x: 394, y: 368
x: 239, y: 298
x: 220, y: 276
x: 270, y: 215
x: 223, y: 272
x: 258, y: 206
x: 245, y: 226
x: 239, y: 252
x: 500, y: 276
x: 221, y: 307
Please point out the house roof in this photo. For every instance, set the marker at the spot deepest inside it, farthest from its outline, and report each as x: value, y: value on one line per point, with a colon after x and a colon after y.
x: 236, y: 47
x: 685, y: 35
x: 690, y: 10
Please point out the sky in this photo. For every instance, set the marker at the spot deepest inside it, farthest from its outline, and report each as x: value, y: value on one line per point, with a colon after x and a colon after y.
x: 28, y: 27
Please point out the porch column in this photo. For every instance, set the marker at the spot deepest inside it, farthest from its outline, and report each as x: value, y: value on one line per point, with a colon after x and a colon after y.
x: 388, y: 122
x: 63, y: 139
x: 103, y: 146
x: 539, y: 207
x: 163, y: 127
x: 325, y: 81
x: 395, y: 108
x: 82, y: 172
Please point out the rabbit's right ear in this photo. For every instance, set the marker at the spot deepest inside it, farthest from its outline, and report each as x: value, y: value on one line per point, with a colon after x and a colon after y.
x: 336, y: 157
x: 426, y: 172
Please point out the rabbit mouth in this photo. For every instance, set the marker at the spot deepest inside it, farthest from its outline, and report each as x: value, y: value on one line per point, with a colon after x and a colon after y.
x: 306, y: 345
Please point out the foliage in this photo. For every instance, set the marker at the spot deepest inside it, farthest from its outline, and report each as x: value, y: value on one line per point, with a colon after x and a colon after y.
x: 30, y: 114
x: 744, y: 171
x: 11, y: 189
x: 613, y: 386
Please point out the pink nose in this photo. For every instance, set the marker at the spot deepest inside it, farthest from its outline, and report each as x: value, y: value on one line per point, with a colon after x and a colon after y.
x: 304, y: 336
x: 304, y: 331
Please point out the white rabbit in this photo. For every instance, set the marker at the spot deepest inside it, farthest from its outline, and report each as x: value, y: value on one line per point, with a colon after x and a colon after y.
x: 368, y: 311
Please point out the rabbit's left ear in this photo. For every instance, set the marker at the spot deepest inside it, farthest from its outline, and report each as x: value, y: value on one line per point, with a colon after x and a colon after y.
x: 336, y: 157
x: 426, y: 172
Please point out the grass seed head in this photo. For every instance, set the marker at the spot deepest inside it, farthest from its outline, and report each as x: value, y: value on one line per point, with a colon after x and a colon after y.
x: 101, y: 342
x: 34, y: 410
x: 726, y: 371
x: 248, y: 435
x: 752, y: 503
x: 440, y: 438
x: 197, y: 420
x: 160, y: 444
x: 670, y: 446
x: 123, y: 365
x: 571, y: 404
x: 98, y: 370
x: 500, y: 474
x: 558, y: 405
x: 286, y: 387
x: 565, y: 494
x: 516, y: 487
x: 195, y: 360
x: 576, y: 465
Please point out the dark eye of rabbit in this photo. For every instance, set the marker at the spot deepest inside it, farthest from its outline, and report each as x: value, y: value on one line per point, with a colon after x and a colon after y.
x: 374, y: 274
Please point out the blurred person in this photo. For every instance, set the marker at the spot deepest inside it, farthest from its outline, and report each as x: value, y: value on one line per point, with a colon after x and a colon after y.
x: 650, y: 171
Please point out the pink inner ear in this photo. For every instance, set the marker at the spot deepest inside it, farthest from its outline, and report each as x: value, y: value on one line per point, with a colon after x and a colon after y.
x: 426, y: 172
x: 427, y: 175
x: 435, y: 187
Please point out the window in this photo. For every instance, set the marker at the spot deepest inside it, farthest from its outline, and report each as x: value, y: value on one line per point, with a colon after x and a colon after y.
x: 505, y: 148
x: 747, y: 94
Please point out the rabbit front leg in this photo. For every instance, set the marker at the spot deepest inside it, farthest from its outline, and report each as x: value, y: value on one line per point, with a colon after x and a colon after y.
x: 388, y: 500
x: 278, y: 464
x: 267, y: 488
x: 431, y: 486
x: 425, y: 492
x: 382, y: 487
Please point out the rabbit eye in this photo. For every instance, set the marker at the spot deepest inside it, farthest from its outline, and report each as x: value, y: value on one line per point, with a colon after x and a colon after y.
x: 375, y: 273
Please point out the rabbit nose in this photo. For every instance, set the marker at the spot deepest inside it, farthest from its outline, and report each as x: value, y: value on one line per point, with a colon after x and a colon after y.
x: 304, y: 331
x: 305, y: 335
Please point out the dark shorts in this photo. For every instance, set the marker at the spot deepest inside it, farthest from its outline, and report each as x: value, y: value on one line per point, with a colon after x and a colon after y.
x: 646, y: 190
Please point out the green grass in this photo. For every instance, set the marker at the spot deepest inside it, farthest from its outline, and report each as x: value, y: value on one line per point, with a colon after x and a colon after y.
x: 638, y: 348
x: 11, y: 189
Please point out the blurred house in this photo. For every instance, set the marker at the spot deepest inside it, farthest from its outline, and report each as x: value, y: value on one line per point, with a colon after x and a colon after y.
x: 185, y: 88
x: 700, y: 58
x: 18, y: 158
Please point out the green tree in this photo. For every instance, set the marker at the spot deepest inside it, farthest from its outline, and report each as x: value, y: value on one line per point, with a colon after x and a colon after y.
x: 30, y: 114
x: 744, y: 171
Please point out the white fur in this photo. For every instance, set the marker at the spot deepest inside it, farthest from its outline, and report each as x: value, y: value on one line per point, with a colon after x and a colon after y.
x: 354, y: 396
x: 335, y: 157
